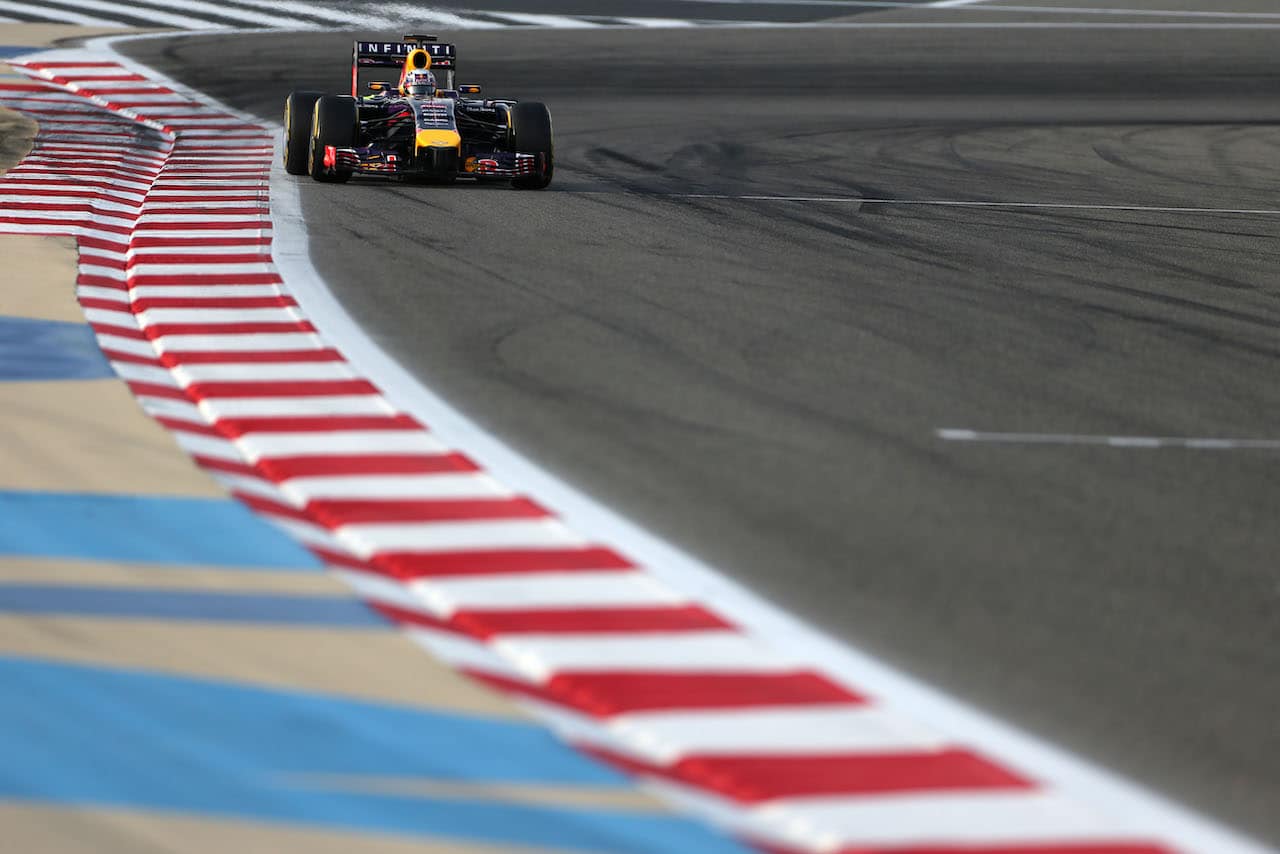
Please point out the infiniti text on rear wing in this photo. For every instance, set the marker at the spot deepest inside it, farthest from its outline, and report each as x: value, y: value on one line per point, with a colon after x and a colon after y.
x: 380, y: 55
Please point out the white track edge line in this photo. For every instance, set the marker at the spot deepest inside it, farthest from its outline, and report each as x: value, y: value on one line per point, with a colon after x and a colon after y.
x: 1072, y: 775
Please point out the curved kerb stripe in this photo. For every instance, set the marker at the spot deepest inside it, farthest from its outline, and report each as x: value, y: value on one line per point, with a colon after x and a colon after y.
x: 168, y: 199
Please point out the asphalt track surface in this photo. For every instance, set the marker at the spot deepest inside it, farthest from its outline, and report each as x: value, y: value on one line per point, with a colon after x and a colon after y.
x: 761, y: 381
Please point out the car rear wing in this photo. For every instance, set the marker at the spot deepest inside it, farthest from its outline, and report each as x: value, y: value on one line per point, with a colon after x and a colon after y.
x: 367, y: 55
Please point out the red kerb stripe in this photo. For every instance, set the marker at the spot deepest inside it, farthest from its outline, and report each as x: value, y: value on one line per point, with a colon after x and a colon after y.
x: 283, y: 468
x: 336, y: 513
x: 154, y: 240
x: 289, y: 388
x: 609, y: 694
x: 147, y: 303
x: 686, y: 618
x: 317, y: 424
x: 755, y: 779
x: 172, y: 358
x: 200, y: 258
x: 231, y: 225
x: 159, y: 330
x: 417, y: 565
x: 141, y: 389
x: 203, y: 279
x: 100, y: 78
x: 485, y: 625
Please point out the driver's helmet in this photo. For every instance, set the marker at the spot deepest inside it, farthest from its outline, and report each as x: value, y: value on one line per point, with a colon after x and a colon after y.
x: 419, y: 84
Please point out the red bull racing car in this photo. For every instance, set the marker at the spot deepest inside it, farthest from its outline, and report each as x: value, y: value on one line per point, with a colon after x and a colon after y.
x: 420, y: 127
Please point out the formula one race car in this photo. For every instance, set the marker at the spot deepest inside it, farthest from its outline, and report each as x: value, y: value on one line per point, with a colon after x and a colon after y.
x: 416, y: 128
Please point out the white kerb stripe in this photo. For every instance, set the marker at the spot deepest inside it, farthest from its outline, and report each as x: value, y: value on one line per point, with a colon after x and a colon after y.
x: 667, y: 736
x: 197, y: 216
x: 305, y: 532
x: 428, y: 537
x: 142, y: 268
x: 268, y: 407
x: 164, y: 247
x: 519, y: 591
x: 207, y: 446
x: 398, y: 486
x: 144, y: 374
x: 945, y: 818
x: 205, y: 205
x: 126, y: 345
x: 340, y: 443
x: 577, y: 729
x: 459, y: 651
x: 141, y: 96
x: 246, y: 485
x: 671, y: 652
x: 95, y: 292
x: 167, y: 407
x: 110, y: 318
x: 161, y: 195
x: 154, y: 316
x: 379, y: 588
x: 239, y: 343
x: 150, y: 291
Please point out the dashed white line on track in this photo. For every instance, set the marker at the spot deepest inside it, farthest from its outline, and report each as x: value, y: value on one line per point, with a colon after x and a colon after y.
x: 951, y: 434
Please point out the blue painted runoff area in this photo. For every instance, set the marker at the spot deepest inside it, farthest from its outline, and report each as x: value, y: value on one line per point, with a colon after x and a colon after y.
x: 191, y: 531
x: 49, y: 350
x: 128, y: 739
x: 8, y: 51
x: 134, y: 603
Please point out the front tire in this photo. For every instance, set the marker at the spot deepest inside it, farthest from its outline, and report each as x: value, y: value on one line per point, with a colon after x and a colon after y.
x: 531, y: 134
x: 334, y: 122
x: 298, y: 109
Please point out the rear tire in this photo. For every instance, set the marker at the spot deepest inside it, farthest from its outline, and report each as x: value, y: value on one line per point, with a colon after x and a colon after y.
x: 531, y: 134
x: 298, y: 108
x: 334, y: 121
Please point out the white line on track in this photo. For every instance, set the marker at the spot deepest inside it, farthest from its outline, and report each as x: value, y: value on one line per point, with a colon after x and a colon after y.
x: 955, y: 203
x: 951, y: 434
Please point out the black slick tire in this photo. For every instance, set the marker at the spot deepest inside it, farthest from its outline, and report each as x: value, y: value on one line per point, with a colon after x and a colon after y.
x: 333, y: 122
x: 298, y: 108
x: 531, y: 134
